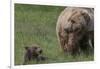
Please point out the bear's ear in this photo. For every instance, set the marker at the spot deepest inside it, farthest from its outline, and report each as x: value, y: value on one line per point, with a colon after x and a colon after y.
x: 39, y: 50
x: 86, y: 16
x: 26, y: 48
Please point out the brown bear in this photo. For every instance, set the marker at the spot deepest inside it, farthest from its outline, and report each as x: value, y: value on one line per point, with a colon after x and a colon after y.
x: 75, y: 29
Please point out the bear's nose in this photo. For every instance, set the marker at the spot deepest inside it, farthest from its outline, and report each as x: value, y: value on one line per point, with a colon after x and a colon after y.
x: 68, y: 30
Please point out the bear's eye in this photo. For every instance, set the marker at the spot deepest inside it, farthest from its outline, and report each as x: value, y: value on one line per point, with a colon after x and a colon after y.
x: 72, y: 21
x: 77, y: 29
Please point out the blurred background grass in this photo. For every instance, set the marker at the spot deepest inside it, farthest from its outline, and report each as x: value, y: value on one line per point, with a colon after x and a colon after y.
x: 36, y: 24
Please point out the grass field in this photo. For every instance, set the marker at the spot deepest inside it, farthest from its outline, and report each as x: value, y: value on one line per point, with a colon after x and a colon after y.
x: 36, y: 24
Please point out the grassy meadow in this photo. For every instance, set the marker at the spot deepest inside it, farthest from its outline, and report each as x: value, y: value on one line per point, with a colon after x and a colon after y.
x: 36, y: 24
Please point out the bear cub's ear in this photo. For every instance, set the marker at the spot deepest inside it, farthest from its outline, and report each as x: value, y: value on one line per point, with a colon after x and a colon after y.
x: 26, y: 48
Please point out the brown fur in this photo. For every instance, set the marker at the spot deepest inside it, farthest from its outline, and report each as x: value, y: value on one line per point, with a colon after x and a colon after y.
x: 73, y: 25
x: 33, y: 52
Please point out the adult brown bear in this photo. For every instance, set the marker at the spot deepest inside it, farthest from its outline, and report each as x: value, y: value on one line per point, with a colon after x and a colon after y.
x: 75, y: 29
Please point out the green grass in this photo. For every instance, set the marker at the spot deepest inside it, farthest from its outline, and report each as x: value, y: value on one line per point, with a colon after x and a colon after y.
x: 35, y: 24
